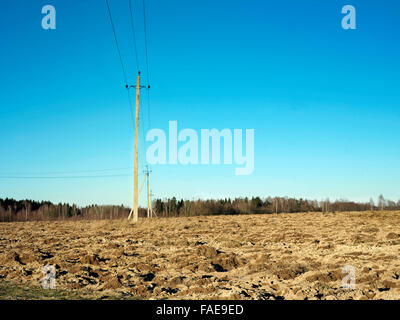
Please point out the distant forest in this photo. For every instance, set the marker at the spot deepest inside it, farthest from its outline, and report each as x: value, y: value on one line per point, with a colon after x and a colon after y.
x: 28, y: 210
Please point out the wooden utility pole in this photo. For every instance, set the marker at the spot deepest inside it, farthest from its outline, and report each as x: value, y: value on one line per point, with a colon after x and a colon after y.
x: 135, y: 174
x: 135, y: 210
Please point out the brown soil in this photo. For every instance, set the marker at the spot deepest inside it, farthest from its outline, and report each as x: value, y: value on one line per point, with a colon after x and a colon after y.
x: 284, y: 256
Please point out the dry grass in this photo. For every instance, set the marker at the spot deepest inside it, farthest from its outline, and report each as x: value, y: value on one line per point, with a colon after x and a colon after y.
x: 290, y: 256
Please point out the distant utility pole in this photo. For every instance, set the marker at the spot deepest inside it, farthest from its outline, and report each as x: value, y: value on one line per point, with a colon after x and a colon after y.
x: 148, y: 194
x: 148, y: 202
x: 151, y: 205
x: 135, y: 209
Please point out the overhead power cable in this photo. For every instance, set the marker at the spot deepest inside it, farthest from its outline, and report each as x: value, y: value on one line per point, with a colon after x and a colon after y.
x: 120, y: 59
x: 134, y: 35
x: 147, y: 62
x: 116, y: 43
x: 145, y: 41
x: 62, y: 172
x: 66, y: 177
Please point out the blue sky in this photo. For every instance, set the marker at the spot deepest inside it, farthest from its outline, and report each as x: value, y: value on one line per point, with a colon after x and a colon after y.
x: 323, y: 101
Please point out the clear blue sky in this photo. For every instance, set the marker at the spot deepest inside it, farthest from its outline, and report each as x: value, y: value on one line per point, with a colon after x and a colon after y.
x: 323, y: 101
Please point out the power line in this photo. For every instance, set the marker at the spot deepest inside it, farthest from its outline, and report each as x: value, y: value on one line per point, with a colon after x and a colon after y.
x: 134, y: 35
x: 68, y: 172
x: 143, y: 122
x: 116, y: 43
x: 147, y: 64
x: 141, y: 119
x: 120, y: 59
x: 66, y: 177
x: 148, y: 108
x: 145, y: 41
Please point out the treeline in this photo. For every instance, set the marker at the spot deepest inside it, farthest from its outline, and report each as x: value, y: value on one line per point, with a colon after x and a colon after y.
x: 256, y: 205
x: 28, y: 210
